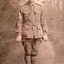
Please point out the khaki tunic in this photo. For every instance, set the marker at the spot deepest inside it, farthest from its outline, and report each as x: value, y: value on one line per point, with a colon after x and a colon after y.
x: 31, y: 22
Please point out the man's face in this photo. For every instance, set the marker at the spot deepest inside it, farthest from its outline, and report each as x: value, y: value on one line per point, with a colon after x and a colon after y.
x: 31, y: 0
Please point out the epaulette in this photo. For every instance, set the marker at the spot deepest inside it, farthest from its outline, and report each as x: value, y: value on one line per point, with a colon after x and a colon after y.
x: 39, y: 5
x: 22, y: 5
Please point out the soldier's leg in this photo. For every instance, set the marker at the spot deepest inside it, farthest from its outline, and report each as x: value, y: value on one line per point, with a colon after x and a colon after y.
x: 35, y: 46
x: 27, y: 48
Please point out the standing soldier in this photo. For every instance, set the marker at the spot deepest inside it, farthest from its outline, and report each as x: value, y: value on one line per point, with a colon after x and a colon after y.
x: 31, y: 29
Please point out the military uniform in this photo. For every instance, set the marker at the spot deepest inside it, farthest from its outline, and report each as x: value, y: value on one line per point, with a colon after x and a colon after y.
x: 32, y: 26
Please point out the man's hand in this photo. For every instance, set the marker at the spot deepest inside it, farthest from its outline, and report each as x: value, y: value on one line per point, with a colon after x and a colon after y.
x: 45, y: 37
x: 18, y: 38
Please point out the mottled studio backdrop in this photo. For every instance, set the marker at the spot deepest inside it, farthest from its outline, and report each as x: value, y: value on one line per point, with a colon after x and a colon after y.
x: 51, y: 52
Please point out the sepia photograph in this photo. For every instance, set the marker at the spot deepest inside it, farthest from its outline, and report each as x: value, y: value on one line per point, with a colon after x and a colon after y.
x: 31, y: 31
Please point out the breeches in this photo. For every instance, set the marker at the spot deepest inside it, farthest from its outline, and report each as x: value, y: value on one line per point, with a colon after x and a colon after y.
x: 31, y: 46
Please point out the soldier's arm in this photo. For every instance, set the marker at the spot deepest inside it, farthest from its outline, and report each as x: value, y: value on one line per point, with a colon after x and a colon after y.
x: 18, y: 27
x: 44, y: 26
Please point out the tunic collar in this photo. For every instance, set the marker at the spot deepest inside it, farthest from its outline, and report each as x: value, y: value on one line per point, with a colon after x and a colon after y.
x: 31, y: 4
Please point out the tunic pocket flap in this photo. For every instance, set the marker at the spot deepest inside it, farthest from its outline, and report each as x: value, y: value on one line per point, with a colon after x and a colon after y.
x: 25, y: 27
x: 39, y: 27
x: 26, y: 12
x: 37, y: 12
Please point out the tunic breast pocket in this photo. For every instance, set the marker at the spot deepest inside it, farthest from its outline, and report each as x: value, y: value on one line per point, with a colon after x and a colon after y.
x: 26, y: 15
x: 37, y: 16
